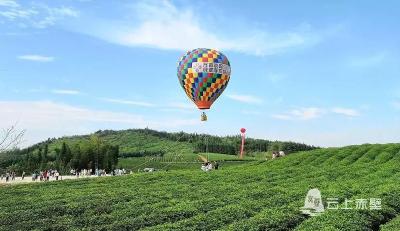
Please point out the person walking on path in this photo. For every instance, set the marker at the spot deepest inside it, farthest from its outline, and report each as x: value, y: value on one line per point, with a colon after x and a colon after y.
x: 216, y: 165
x: 56, y: 174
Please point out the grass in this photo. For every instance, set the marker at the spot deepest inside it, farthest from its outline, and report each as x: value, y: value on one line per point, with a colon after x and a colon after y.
x: 132, y: 141
x: 185, y: 161
x: 256, y: 195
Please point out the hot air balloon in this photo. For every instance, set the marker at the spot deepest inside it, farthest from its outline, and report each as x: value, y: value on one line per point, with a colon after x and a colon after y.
x: 204, y: 74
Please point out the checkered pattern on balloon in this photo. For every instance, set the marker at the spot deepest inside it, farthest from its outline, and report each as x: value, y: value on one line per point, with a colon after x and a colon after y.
x: 203, y: 74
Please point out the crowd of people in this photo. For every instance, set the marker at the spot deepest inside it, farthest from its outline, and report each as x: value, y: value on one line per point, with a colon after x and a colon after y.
x: 42, y: 175
x: 278, y: 154
x: 118, y: 172
x: 45, y: 175
x: 83, y: 172
x: 98, y: 172
x: 9, y: 176
x: 208, y: 166
x: 53, y: 174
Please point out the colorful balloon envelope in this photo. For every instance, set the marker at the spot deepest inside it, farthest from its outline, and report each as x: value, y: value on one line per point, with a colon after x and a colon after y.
x: 204, y: 74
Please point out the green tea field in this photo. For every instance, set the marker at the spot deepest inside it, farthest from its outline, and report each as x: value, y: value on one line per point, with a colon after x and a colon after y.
x: 256, y: 195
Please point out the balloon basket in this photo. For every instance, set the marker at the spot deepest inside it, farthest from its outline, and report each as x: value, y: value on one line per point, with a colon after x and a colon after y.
x: 203, y: 117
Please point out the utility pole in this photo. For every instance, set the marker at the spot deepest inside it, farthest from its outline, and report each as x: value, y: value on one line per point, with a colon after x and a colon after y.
x: 243, y: 133
x: 208, y: 156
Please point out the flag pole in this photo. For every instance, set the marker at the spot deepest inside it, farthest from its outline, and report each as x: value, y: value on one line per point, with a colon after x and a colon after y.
x: 243, y: 133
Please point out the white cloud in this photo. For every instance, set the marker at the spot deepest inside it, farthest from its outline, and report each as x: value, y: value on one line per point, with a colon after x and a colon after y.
x: 36, y: 58
x: 338, y: 137
x: 248, y: 112
x: 128, y: 102
x: 346, y: 111
x: 65, y: 92
x: 183, y: 106
x: 43, y: 119
x: 283, y: 116
x: 307, y: 113
x: 55, y: 14
x: 9, y: 3
x: 16, y: 13
x: 369, y: 60
x: 250, y: 99
x: 173, y: 106
x: 35, y: 14
x: 162, y: 25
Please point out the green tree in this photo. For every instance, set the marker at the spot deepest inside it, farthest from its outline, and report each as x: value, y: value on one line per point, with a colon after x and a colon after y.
x: 275, y: 147
x: 65, y: 154
x: 39, y: 154
x: 96, y: 143
x: 76, y: 157
x: 45, y: 153
x: 86, y: 153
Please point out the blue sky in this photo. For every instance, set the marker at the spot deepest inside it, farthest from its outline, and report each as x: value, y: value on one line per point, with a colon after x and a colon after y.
x: 323, y: 73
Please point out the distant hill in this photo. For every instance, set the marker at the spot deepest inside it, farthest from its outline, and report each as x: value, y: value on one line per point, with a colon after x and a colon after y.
x: 134, y: 140
x: 145, y: 143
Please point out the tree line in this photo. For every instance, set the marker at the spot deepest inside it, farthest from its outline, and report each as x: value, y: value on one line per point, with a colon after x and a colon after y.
x: 91, y: 153
x: 232, y: 146
x: 217, y: 144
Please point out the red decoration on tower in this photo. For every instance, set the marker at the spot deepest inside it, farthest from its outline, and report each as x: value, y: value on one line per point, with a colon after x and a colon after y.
x: 243, y: 132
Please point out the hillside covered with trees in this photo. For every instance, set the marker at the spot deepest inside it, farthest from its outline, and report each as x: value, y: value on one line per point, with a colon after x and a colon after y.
x: 103, y: 149
x: 89, y: 153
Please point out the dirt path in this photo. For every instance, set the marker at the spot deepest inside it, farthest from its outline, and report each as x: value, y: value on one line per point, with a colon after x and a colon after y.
x: 18, y: 180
